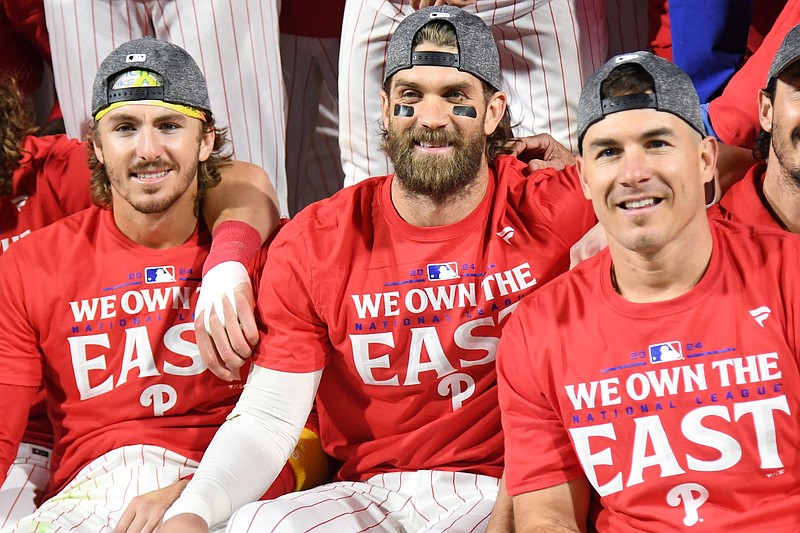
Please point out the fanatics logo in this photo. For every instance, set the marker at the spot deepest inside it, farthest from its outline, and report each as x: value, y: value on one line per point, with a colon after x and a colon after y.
x: 439, y: 271
x: 760, y: 314
x: 666, y: 352
x: 161, y: 274
x: 506, y: 234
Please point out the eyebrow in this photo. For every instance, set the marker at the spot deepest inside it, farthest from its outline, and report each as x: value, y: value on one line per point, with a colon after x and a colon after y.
x: 457, y: 86
x: 129, y: 117
x: 649, y: 134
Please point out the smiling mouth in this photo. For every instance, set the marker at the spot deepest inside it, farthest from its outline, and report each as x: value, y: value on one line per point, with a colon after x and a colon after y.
x: 639, y: 204
x: 149, y: 177
x: 432, y: 147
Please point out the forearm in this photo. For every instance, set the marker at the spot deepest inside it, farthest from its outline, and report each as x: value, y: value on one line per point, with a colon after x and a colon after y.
x: 502, y: 519
x: 563, y: 508
x: 251, y: 447
x: 244, y: 194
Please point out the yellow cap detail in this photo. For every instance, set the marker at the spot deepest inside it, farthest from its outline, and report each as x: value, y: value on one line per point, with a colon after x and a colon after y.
x: 146, y: 78
x: 183, y: 109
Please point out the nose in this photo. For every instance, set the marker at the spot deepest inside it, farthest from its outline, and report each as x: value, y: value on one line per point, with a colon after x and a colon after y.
x: 149, y: 146
x: 433, y: 113
x: 635, y: 169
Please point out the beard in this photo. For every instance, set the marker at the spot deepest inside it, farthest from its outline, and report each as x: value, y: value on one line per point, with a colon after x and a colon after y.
x: 156, y: 199
x: 786, y: 148
x: 439, y: 177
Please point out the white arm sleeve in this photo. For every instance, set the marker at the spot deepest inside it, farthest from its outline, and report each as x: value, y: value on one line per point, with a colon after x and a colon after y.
x: 252, y: 446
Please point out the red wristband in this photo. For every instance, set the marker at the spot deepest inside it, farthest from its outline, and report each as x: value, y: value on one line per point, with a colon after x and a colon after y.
x: 233, y: 240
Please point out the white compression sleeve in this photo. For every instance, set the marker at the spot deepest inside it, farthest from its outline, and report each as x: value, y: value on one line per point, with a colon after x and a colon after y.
x: 251, y: 447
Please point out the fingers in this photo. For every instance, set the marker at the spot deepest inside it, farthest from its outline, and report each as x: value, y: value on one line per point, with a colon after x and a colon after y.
x: 208, y: 350
x: 531, y: 147
x: 231, y: 360
x: 539, y: 164
x: 137, y: 518
x: 125, y: 520
x: 247, y: 318
x: 234, y: 333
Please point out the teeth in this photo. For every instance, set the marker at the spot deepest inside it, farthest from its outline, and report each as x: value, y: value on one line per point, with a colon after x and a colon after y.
x: 638, y: 203
x: 151, y: 175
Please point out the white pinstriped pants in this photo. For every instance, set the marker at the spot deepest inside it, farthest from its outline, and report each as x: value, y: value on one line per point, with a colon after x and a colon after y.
x: 96, y: 498
x: 424, y: 500
x: 27, y: 477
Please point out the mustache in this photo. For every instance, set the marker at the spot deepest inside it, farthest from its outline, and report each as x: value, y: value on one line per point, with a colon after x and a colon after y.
x: 154, y: 165
x: 434, y: 137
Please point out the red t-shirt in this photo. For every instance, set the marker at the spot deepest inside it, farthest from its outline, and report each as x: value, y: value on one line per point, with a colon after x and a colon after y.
x: 107, y: 325
x: 743, y: 201
x: 683, y: 414
x: 405, y: 320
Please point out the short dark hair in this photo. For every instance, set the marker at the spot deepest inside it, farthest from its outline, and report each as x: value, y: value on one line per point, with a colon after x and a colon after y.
x: 442, y: 34
x: 627, y: 79
x: 208, y: 171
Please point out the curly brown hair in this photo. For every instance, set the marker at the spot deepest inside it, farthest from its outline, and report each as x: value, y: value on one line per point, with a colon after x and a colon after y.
x: 442, y: 34
x: 16, y: 122
x: 208, y: 171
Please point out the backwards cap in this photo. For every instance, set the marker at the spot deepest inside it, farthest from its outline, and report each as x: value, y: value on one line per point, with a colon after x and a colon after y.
x: 477, y: 51
x: 674, y: 93
x: 788, y: 53
x: 153, y: 72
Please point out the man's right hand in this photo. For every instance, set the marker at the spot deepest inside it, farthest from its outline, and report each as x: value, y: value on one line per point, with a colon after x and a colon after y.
x: 184, y: 523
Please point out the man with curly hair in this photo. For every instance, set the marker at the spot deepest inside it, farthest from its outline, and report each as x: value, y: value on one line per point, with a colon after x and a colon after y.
x: 98, y: 306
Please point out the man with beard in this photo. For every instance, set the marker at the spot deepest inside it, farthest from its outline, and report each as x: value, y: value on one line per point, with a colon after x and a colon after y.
x: 770, y: 192
x: 387, y: 301
x: 97, y: 307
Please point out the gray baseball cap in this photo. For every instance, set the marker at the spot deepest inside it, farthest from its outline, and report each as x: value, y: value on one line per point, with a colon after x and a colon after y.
x: 477, y: 51
x: 788, y: 53
x: 150, y: 71
x: 674, y: 93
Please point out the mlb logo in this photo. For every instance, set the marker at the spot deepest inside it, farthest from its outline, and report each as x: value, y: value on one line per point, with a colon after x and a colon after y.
x: 437, y: 271
x: 666, y: 352
x: 135, y: 58
x: 162, y: 274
